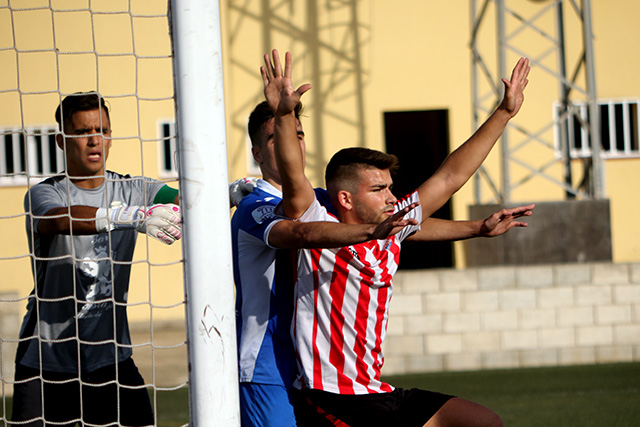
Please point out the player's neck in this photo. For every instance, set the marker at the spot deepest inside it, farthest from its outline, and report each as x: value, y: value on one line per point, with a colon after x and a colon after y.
x: 348, y: 217
x: 88, y: 182
x: 275, y: 183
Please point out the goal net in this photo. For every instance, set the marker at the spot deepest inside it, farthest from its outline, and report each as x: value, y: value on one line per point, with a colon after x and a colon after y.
x: 50, y: 49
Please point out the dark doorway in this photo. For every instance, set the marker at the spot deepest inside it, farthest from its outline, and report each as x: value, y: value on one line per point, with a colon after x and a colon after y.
x: 420, y: 140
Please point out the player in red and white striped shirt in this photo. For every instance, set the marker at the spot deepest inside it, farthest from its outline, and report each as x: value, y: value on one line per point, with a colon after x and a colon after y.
x: 343, y: 294
x: 339, y: 329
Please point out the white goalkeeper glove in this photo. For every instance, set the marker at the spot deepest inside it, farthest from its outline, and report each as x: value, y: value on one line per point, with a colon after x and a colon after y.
x: 162, y: 222
x: 240, y: 188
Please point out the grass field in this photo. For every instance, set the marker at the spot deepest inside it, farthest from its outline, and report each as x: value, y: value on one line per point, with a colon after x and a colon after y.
x: 601, y: 395
x: 593, y: 395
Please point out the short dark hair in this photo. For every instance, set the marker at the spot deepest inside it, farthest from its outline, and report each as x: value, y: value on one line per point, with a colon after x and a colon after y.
x: 79, y: 101
x: 262, y: 114
x: 344, y: 166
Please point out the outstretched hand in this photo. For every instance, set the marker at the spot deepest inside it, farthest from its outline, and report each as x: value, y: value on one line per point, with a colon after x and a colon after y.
x: 514, y: 88
x: 278, y: 86
x: 394, y: 223
x: 504, y: 220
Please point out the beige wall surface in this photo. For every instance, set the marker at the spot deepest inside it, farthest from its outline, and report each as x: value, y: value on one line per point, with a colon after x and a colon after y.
x: 513, y: 317
x: 409, y: 55
x: 414, y: 55
x: 125, y: 54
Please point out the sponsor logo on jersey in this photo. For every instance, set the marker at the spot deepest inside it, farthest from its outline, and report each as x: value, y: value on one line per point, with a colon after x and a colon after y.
x: 263, y: 213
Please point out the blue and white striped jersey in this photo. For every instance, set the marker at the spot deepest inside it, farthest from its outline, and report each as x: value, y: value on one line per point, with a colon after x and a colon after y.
x: 264, y: 291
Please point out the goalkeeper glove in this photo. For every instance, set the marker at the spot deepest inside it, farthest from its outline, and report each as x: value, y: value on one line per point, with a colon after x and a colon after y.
x: 162, y: 222
x: 240, y: 188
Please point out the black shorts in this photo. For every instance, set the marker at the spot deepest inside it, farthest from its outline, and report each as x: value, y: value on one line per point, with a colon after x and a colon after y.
x: 65, y: 403
x: 400, y: 407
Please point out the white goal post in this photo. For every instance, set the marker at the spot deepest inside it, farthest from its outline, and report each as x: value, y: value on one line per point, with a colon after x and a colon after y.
x: 213, y: 391
x: 126, y: 52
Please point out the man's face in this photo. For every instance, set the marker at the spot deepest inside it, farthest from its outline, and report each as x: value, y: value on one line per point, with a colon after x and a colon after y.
x: 87, y: 140
x: 373, y: 200
x: 264, y: 153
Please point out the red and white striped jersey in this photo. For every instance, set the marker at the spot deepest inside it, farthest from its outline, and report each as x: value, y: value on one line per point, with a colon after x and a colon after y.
x: 341, y: 309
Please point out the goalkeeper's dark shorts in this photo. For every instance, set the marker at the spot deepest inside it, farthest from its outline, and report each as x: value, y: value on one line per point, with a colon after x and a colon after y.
x: 93, y: 400
x: 400, y: 407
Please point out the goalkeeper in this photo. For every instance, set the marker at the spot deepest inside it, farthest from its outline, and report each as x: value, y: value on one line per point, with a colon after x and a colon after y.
x: 82, y: 227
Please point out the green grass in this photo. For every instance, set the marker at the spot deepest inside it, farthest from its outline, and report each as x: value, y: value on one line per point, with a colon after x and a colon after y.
x: 600, y: 395
x: 594, y: 395
x: 172, y: 408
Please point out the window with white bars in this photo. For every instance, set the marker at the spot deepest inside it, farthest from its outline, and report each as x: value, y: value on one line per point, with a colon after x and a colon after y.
x: 31, y: 152
x: 168, y: 157
x: 619, y: 120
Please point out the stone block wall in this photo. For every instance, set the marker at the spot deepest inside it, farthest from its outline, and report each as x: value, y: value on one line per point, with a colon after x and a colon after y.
x: 513, y: 316
x: 480, y: 318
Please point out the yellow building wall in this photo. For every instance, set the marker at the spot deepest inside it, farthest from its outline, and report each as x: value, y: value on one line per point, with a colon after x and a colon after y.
x: 414, y: 54
x: 67, y: 49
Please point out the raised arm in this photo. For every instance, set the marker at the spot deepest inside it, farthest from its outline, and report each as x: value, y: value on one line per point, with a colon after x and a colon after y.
x: 464, y: 161
x: 498, y: 223
x: 297, y: 191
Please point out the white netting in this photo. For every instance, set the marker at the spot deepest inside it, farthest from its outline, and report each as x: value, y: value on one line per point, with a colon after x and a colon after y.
x: 121, y: 49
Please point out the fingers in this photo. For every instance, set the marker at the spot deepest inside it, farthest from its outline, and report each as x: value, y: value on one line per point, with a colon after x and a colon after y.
x: 164, y: 231
x: 168, y: 212
x: 402, y: 212
x: 273, y: 69
x: 167, y: 234
x: 518, y: 211
x: 240, y: 188
x: 524, y: 70
x: 521, y: 70
x: 277, y: 66
x: 303, y: 88
x: 519, y: 74
x: 265, y: 78
x: 268, y: 67
x: 288, y: 68
x: 508, y: 216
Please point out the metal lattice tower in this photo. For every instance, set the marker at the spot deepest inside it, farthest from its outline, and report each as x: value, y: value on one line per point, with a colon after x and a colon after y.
x: 537, y: 149
x: 326, y: 39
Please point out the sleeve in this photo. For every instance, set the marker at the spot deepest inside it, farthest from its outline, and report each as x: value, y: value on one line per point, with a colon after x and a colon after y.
x: 257, y: 218
x: 416, y: 213
x: 317, y: 212
x: 154, y: 188
x: 141, y: 190
x: 323, y: 197
x: 39, y: 200
x: 165, y: 195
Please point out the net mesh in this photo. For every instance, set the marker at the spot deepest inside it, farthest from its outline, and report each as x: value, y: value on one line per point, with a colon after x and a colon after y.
x: 120, y: 49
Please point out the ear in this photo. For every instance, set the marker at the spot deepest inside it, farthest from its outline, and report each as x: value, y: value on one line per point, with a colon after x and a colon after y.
x: 345, y: 200
x: 60, y: 141
x: 257, y: 156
